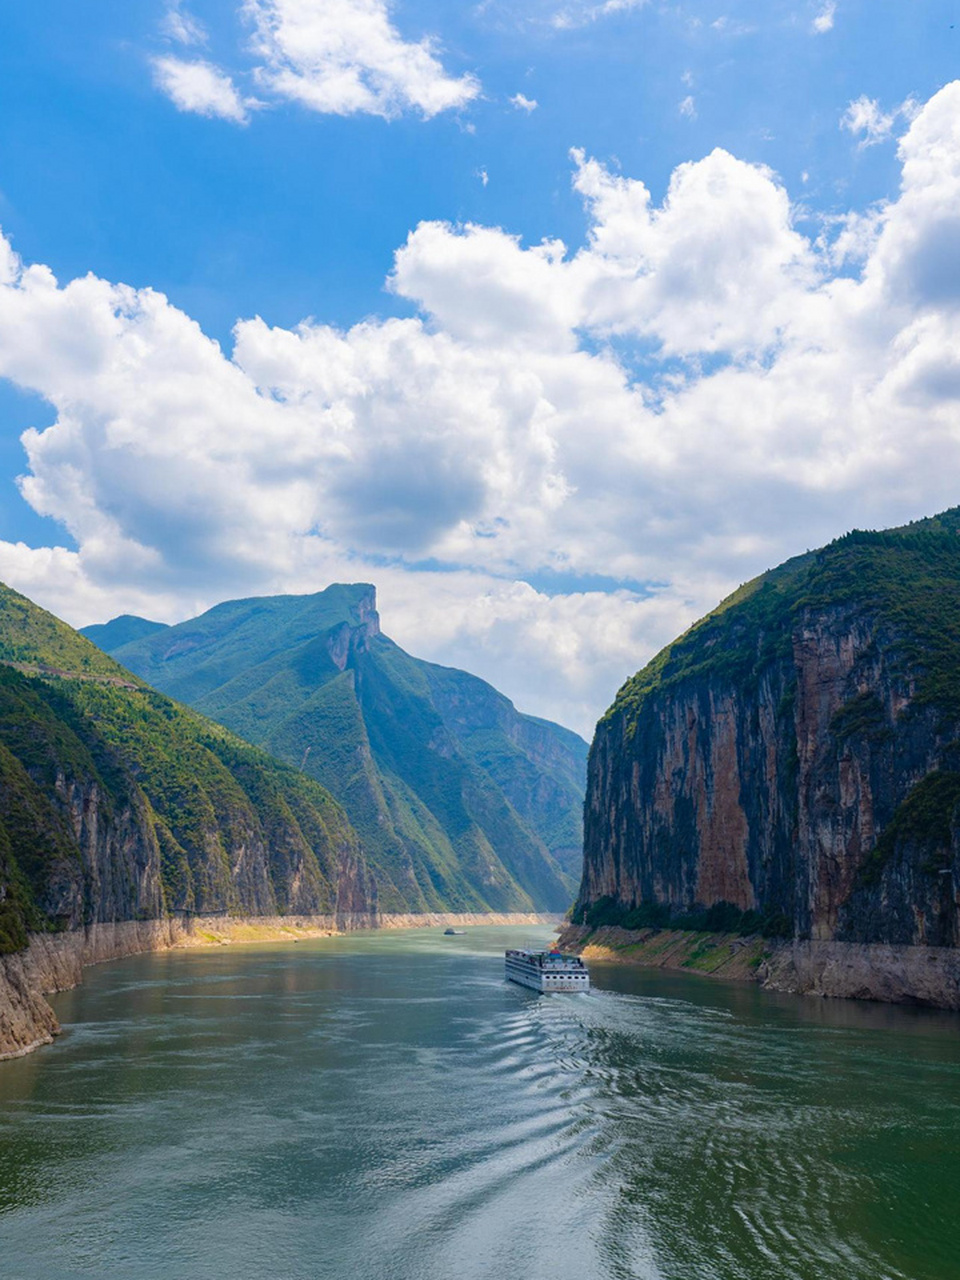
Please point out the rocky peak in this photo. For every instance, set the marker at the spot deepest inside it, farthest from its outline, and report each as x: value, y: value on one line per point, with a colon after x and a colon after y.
x: 366, y: 610
x: 349, y: 638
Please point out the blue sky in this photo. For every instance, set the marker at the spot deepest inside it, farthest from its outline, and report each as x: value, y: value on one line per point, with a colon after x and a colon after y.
x: 271, y: 159
x: 300, y: 213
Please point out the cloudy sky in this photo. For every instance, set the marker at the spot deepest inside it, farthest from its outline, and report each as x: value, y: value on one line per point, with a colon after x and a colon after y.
x: 556, y: 319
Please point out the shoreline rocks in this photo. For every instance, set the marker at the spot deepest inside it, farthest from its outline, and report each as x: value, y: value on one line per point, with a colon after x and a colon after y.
x: 918, y: 975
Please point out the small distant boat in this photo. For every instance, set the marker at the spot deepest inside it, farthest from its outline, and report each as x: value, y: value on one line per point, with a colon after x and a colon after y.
x: 547, y: 970
x: 449, y: 933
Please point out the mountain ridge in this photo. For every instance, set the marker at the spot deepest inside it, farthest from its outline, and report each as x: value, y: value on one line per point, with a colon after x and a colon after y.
x: 460, y: 799
x: 117, y: 804
x: 120, y: 630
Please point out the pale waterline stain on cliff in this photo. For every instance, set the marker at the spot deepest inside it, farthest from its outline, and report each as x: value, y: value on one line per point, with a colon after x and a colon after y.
x: 927, y: 976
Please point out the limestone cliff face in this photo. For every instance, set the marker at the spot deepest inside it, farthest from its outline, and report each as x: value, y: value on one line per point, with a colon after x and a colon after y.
x: 118, y: 805
x: 121, y: 806
x: 795, y: 754
x: 117, y: 873
x: 348, y: 639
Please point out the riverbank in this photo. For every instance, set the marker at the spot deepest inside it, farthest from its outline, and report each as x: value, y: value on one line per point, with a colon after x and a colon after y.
x: 55, y: 962
x: 842, y: 970
x: 719, y: 955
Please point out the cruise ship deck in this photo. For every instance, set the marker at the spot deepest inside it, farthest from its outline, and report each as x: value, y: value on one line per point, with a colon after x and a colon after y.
x: 546, y: 970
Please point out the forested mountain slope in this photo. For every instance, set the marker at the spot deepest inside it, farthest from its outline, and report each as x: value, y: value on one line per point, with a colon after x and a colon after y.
x: 461, y: 802
x: 118, y: 804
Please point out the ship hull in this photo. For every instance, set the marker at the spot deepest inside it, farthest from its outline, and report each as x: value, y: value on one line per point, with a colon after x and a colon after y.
x: 546, y: 975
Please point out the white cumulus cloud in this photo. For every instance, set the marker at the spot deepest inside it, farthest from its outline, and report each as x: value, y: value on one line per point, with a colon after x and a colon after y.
x: 565, y: 457
x: 201, y: 88
x: 824, y: 19
x: 523, y: 103
x: 346, y: 56
x: 340, y: 57
x: 864, y: 116
x: 180, y: 25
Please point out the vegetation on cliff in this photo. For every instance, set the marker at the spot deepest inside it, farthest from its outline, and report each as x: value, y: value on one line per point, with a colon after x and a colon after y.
x: 719, y: 917
x: 795, y: 755
x: 461, y: 802
x: 121, y: 630
x: 117, y: 803
x: 909, y: 578
x: 30, y: 637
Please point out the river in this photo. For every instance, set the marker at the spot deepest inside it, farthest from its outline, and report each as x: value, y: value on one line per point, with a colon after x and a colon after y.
x: 384, y: 1106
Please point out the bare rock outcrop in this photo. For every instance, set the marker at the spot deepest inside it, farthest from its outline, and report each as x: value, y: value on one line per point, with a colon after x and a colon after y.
x: 793, y: 762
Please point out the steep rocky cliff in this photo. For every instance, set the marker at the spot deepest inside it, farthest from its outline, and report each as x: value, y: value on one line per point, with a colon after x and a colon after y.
x: 462, y: 803
x: 792, y: 763
x: 116, y: 804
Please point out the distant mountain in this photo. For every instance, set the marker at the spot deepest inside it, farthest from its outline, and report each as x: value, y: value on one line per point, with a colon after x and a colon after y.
x: 461, y: 802
x: 117, y: 804
x: 111, y: 635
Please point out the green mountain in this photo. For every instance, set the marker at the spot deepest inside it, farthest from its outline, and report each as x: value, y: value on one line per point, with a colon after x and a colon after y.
x: 461, y: 802
x: 118, y: 804
x: 111, y: 635
x: 792, y: 763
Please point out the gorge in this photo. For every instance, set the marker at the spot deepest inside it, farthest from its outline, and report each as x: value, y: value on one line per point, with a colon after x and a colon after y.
x: 130, y: 822
x: 460, y: 801
x: 787, y: 771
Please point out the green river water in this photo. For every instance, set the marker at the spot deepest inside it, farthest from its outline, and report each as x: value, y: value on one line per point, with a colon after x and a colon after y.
x: 386, y: 1107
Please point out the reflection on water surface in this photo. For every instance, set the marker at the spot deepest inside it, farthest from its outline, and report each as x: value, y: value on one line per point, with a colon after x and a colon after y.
x: 387, y: 1107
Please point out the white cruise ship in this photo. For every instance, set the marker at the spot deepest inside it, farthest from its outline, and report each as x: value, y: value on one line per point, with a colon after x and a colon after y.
x: 547, y: 970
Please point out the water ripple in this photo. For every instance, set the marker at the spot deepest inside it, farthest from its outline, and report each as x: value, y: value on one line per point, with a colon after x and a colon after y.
x: 389, y: 1108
